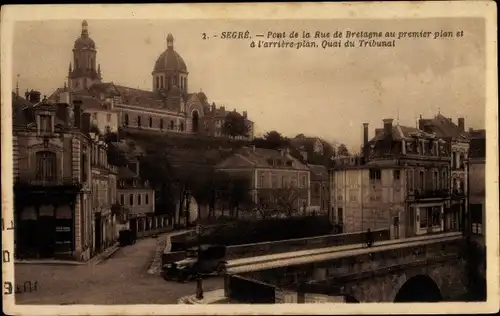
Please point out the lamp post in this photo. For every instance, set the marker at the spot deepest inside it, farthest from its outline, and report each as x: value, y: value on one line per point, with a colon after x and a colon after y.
x: 199, y: 280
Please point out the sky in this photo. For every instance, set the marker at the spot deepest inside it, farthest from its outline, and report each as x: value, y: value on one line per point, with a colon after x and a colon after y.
x: 320, y: 92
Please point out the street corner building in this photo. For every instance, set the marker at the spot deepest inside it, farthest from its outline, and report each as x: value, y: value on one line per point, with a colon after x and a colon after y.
x: 168, y: 108
x: 63, y: 185
x: 413, y: 180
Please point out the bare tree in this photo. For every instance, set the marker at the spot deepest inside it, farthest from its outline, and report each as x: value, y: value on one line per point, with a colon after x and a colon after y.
x: 287, y: 200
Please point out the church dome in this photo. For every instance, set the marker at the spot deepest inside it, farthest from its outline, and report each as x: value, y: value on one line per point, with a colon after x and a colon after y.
x: 84, y: 41
x: 170, y: 60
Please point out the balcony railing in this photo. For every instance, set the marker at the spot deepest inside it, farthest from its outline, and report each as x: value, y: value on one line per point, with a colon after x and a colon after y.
x: 429, y: 194
x: 48, y: 183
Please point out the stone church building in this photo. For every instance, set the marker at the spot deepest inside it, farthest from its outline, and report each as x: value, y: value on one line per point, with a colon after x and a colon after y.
x: 169, y: 107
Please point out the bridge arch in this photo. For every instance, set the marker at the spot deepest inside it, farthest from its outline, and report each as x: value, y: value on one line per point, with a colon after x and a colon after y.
x: 418, y: 288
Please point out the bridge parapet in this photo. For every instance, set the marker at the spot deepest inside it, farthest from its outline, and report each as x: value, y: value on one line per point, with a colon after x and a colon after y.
x: 353, y: 272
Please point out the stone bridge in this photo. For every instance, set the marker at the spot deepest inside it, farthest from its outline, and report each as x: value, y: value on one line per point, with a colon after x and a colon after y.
x: 424, y: 269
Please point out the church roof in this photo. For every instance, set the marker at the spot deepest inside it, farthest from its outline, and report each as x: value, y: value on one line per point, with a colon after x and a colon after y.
x: 84, y: 41
x: 170, y: 60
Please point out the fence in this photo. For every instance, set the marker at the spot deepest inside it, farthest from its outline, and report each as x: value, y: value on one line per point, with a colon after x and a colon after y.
x: 272, y: 247
x: 247, y: 290
x: 151, y: 225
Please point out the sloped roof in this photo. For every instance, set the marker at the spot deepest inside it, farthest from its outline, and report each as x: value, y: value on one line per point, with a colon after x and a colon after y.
x: 399, y: 132
x: 259, y: 158
x: 125, y: 173
x: 20, y: 116
x: 318, y: 170
x: 444, y: 127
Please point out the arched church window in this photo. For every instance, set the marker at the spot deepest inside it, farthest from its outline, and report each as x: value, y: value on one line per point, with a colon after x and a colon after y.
x: 175, y: 80
x: 157, y: 82
x: 139, y: 120
x: 126, y: 119
x: 150, y: 121
x: 161, y: 124
x: 161, y: 82
x: 181, y: 126
x: 171, y: 124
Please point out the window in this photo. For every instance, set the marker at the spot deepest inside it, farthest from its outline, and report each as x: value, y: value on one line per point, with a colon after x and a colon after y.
x: 83, y: 167
x: 340, y: 215
x: 436, y: 215
x: 172, y: 125
x: 444, y: 183
x: 150, y: 121
x: 476, y: 211
x: 423, y: 217
x: 126, y: 119
x: 422, y: 180
x: 131, y: 199
x: 157, y: 82
x: 139, y: 199
x: 274, y: 181
x: 181, y: 127
x: 303, y: 181
x: 122, y: 199
x: 261, y: 181
x: 375, y: 174
x: 138, y: 121
x: 397, y: 174
x: 45, y: 166
x: 146, y: 199
x: 108, y: 117
x: 161, y: 82
x: 45, y: 123
x: 161, y: 123
x: 316, y: 188
x: 283, y: 182
x: 436, y: 180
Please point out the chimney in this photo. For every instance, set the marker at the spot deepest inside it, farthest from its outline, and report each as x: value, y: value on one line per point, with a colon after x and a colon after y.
x: 461, y: 124
x: 34, y: 96
x: 421, y: 123
x: 85, y: 123
x: 364, y: 151
x: 62, y: 112
x: 388, y: 127
x: 223, y: 109
x: 77, y: 110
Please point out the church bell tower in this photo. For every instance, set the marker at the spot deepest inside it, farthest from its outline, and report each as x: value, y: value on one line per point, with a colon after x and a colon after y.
x: 83, y: 73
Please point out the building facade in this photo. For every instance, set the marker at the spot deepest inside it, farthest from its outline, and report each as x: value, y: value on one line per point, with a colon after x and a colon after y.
x: 477, y: 180
x: 169, y: 107
x: 278, y: 180
x: 52, y: 146
x: 456, y: 138
x: 134, y: 193
x: 401, y: 180
x: 320, y: 192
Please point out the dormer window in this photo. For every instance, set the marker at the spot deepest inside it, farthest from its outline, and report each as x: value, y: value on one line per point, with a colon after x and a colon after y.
x: 45, y: 123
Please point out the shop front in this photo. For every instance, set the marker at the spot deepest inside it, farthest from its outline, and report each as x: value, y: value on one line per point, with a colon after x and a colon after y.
x: 45, y: 225
x: 429, y: 218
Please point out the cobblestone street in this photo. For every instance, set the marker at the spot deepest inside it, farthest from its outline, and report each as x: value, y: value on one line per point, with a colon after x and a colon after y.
x: 122, y: 279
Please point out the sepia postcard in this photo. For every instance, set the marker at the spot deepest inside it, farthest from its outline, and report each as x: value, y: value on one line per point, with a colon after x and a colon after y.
x: 271, y: 158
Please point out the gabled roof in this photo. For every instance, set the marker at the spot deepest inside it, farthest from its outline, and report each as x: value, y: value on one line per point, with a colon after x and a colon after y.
x: 260, y: 158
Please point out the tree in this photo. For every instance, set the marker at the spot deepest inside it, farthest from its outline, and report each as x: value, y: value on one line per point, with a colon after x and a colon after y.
x: 264, y: 204
x: 287, y: 200
x: 239, y: 194
x: 342, y: 150
x: 235, y: 125
x: 272, y: 140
